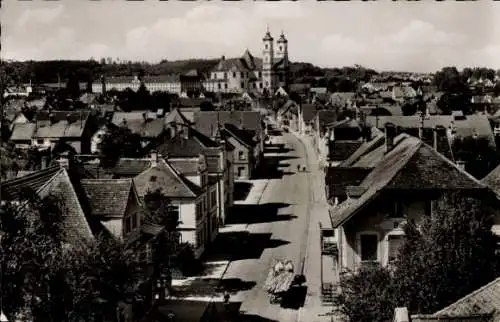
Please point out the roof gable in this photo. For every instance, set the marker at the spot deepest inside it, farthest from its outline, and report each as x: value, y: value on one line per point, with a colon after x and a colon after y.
x: 108, y: 197
x: 240, y: 135
x: 164, y: 177
x: 75, y: 224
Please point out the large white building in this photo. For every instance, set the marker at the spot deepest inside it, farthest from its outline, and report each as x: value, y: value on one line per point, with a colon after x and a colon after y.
x: 248, y: 73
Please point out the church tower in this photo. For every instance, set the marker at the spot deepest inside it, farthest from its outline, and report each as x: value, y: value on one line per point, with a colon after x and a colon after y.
x: 267, y: 62
x: 282, y: 63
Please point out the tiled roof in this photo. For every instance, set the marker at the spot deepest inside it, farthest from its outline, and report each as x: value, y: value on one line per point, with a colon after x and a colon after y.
x: 341, y: 150
x: 245, y: 63
x: 325, y: 117
x: 192, y: 145
x: 186, y: 166
x: 75, y: 225
x: 464, y: 128
x: 338, y: 178
x: 107, y: 197
x: 138, y: 123
x: 129, y: 167
x: 410, y: 165
x: 59, y: 124
x: 23, y: 131
x: 205, y: 121
x: 176, y: 116
x: 240, y: 135
x: 13, y: 189
x: 163, y: 176
x: 376, y: 141
x: 191, y: 102
x: 492, y: 180
x: 289, y: 105
x: 341, y: 98
x: 161, y: 79
x: 482, y: 301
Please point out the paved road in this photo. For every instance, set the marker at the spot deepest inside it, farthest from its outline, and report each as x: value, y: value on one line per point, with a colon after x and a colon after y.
x: 279, y: 227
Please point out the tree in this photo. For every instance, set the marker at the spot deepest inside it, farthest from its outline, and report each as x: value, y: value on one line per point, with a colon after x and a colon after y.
x: 449, y: 80
x: 366, y: 295
x: 119, y: 142
x: 445, y: 256
x: 32, y: 249
x: 450, y: 254
x: 206, y: 106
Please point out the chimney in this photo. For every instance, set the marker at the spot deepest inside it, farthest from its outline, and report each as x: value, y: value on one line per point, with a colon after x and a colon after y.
x: 63, y: 161
x: 439, y: 133
x: 461, y: 165
x: 52, y: 118
x: 44, y: 162
x: 390, y: 134
x: 420, y: 132
x: 154, y: 158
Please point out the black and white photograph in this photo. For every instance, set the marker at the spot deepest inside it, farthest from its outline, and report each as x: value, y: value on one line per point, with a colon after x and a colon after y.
x: 253, y: 161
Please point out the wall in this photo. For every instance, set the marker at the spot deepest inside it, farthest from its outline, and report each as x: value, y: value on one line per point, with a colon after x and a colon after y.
x: 374, y: 220
x: 245, y: 163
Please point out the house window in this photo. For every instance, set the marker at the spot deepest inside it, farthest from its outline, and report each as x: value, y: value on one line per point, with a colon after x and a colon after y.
x: 281, y: 48
x: 174, y: 210
x: 242, y: 74
x: 242, y: 84
x: 225, y: 86
x: 219, y: 86
x: 214, y: 223
x: 39, y: 141
x: 241, y: 171
x: 369, y: 246
x: 134, y: 221
x: 267, y: 46
x: 397, y: 210
x: 253, y: 85
x: 394, y: 245
x: 225, y: 75
x: 260, y: 74
x: 260, y: 85
x: 234, y: 74
x: 267, y: 84
x: 241, y: 155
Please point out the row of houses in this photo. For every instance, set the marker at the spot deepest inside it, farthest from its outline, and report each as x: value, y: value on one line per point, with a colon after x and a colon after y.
x: 84, y: 131
x: 193, y: 160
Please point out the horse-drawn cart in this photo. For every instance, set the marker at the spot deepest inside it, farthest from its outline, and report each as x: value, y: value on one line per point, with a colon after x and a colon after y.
x: 280, y: 279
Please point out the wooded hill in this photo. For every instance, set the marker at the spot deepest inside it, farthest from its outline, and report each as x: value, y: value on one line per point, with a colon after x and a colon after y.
x: 52, y: 71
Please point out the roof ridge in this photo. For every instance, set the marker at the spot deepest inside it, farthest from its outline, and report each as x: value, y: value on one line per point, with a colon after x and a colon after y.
x: 466, y: 297
x: 51, y: 179
x: 32, y: 175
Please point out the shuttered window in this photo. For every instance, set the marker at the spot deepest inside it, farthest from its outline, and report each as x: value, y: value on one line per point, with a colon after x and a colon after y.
x: 369, y: 244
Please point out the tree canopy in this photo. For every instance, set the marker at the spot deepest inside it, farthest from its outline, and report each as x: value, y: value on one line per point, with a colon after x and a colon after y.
x: 118, y: 142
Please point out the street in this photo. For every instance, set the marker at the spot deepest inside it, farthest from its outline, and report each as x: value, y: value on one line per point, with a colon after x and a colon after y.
x: 278, y: 225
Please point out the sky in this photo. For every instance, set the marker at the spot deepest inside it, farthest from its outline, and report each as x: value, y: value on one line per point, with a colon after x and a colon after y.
x: 419, y: 36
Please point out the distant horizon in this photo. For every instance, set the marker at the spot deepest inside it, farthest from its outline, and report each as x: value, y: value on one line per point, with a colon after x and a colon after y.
x: 417, y: 37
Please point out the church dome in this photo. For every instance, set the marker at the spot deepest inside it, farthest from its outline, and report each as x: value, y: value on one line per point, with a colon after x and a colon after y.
x: 282, y: 39
x: 268, y: 36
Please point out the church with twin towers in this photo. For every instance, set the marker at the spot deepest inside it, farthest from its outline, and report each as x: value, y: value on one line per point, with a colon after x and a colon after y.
x: 252, y: 74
